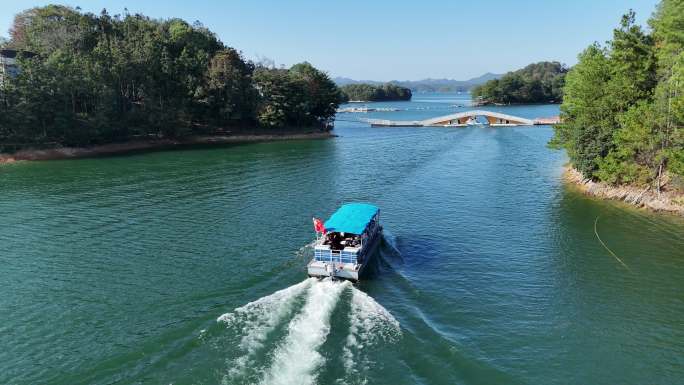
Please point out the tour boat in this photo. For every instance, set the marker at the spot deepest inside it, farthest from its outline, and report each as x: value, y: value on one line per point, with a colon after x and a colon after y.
x: 345, y: 242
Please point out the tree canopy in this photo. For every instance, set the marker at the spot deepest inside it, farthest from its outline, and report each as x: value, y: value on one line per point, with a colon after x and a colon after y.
x: 101, y: 78
x: 623, y: 107
x: 375, y: 93
x: 536, y: 83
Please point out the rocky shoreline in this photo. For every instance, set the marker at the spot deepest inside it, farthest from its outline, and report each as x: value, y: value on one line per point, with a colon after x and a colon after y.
x: 151, y: 144
x: 645, y: 197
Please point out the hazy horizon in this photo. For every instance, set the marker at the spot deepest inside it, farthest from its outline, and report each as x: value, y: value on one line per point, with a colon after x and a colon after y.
x: 391, y: 41
x: 425, y: 78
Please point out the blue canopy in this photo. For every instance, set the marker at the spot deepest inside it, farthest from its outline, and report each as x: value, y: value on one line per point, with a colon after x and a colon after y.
x: 351, y: 218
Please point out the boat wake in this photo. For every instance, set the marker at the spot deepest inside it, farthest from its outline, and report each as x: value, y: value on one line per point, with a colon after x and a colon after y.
x: 280, y: 336
x: 259, y: 318
x: 370, y: 323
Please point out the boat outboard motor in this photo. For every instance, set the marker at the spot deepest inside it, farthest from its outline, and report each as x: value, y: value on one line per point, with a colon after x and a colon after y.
x: 330, y: 269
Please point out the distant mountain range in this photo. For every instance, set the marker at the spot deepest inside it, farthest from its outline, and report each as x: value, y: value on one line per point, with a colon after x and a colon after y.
x: 428, y: 85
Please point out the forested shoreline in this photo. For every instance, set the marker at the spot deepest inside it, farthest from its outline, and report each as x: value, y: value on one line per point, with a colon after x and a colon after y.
x: 623, y: 108
x: 536, y: 83
x: 90, y: 79
x: 375, y: 93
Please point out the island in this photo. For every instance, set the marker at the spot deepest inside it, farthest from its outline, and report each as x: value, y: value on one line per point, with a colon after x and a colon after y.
x: 536, y: 83
x: 76, y: 79
x: 365, y: 92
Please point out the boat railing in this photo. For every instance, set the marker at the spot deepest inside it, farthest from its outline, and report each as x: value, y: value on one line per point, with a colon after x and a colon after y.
x: 339, y: 256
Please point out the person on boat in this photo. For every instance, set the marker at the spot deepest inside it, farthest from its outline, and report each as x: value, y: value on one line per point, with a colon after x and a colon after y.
x: 336, y: 241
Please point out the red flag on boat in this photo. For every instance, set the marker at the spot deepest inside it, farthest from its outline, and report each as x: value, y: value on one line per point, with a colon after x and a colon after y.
x: 318, y: 226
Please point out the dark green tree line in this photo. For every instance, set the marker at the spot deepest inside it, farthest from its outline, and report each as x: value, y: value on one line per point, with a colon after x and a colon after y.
x: 101, y: 78
x: 375, y: 93
x: 536, y: 83
x: 623, y: 106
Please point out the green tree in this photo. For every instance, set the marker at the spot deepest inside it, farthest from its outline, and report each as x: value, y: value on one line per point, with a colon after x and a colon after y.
x: 623, y: 106
x: 281, y: 98
x: 587, y: 125
x: 536, y: 83
x: 300, y: 96
x: 322, y: 95
x: 628, y: 96
x: 632, y: 159
x: 375, y: 93
x: 632, y: 64
x: 88, y: 79
x: 668, y: 33
x: 229, y: 93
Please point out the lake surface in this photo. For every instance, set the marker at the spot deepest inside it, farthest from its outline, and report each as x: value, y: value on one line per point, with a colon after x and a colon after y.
x: 188, y: 267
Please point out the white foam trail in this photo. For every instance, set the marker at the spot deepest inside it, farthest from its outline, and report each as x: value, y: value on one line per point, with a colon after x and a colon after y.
x: 297, y: 358
x: 257, y: 319
x: 369, y: 323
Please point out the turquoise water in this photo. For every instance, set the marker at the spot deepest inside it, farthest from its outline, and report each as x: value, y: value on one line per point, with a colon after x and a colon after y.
x: 188, y: 267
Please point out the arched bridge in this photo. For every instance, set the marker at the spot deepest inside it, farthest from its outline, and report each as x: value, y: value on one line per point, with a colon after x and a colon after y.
x: 463, y: 119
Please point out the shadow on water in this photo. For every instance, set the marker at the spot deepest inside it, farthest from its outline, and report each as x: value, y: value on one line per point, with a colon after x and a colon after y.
x: 389, y: 249
x: 383, y: 258
x: 430, y: 354
x: 617, y: 311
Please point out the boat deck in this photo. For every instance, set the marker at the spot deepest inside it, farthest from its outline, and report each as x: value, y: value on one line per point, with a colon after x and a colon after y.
x: 349, y: 271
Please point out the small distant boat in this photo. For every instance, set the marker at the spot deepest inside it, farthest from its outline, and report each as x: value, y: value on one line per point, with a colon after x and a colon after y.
x: 356, y: 109
x: 345, y: 242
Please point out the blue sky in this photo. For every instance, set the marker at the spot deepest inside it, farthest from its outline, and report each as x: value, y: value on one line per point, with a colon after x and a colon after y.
x: 386, y: 40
